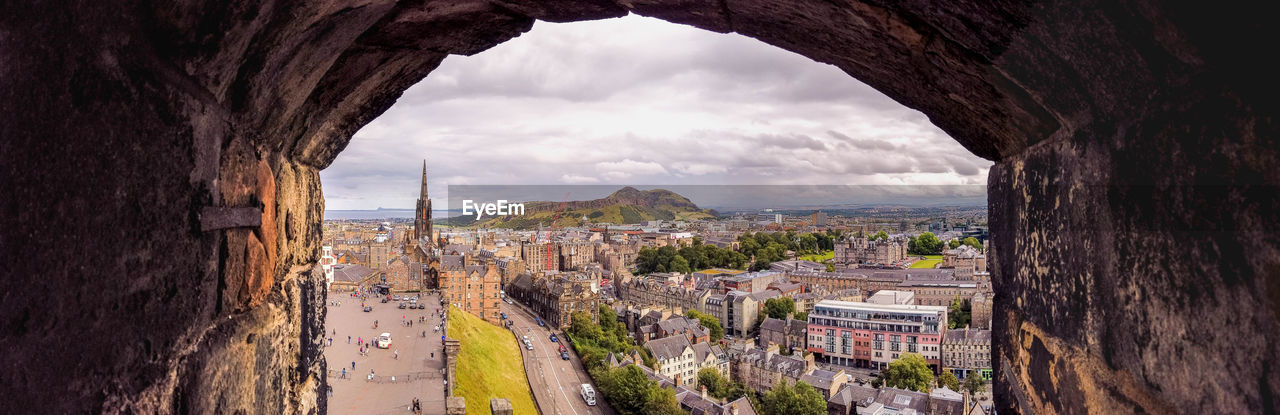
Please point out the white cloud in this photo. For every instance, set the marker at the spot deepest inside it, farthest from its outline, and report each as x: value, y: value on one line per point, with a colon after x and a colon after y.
x: 637, y: 100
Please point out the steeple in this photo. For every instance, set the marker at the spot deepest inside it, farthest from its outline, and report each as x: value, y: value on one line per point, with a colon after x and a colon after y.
x: 423, y: 194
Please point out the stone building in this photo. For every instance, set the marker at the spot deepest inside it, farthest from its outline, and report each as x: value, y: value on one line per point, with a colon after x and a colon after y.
x: 555, y: 297
x: 404, y: 274
x: 348, y: 277
x: 680, y: 360
x: 472, y: 287
x: 761, y: 369
x: 967, y: 352
x: 787, y: 333
x: 980, y: 310
x: 656, y: 290
x: 674, y: 326
x: 539, y: 257
x: 859, y: 250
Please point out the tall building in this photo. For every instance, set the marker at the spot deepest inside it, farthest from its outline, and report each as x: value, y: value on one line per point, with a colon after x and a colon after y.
x: 422, y: 217
x: 875, y: 333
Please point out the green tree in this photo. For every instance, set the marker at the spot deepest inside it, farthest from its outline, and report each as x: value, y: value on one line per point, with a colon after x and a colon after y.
x: 712, y: 323
x: 679, y: 264
x: 910, y: 371
x: 627, y: 389
x: 802, y: 316
x: 971, y: 241
x: 580, y: 325
x: 974, y: 383
x: 793, y: 399
x: 925, y: 244
x: 949, y: 380
x: 779, y: 307
x: 716, y: 385
x: 882, y: 235
x: 959, y: 314
x: 661, y: 401
x: 953, y: 244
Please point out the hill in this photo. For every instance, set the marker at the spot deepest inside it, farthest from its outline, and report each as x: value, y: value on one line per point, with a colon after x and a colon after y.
x: 625, y: 206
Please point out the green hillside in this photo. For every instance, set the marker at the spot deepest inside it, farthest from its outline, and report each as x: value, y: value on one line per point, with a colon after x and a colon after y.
x: 626, y: 206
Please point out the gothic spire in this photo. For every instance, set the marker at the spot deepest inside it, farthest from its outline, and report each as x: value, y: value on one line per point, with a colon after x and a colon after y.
x: 424, y: 180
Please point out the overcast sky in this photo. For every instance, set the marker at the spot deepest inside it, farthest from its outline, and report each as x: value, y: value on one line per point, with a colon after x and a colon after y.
x: 641, y: 101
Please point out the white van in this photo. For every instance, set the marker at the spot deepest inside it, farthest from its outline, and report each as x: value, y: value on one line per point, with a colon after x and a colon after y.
x: 384, y: 341
x: 588, y: 394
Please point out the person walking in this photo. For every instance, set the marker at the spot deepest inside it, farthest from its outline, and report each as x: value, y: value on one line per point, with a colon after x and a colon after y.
x: 396, y: 354
x: 348, y: 339
x: 353, y: 365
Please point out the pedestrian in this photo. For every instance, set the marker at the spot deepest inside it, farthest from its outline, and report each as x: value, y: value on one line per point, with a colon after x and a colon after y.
x: 348, y: 339
x: 344, y: 373
x: 396, y: 354
x: 353, y: 365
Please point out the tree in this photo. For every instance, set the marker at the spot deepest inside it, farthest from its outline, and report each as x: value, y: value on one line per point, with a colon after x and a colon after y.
x: 802, y: 316
x: 971, y: 241
x: 974, y: 383
x: 882, y: 235
x: 910, y: 371
x: 949, y: 380
x: 679, y: 264
x: 627, y: 389
x: 959, y: 314
x: 793, y: 399
x: 779, y: 307
x: 580, y: 325
x: 925, y: 244
x: 710, y: 322
x: 953, y: 244
x: 662, y: 401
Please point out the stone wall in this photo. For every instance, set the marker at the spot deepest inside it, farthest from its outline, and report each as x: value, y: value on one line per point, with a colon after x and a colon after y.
x: 161, y: 195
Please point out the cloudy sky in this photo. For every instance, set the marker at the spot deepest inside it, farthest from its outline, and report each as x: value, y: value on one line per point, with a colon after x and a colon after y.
x: 644, y: 102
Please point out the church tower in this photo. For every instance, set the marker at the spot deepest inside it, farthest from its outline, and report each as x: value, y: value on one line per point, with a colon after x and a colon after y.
x: 422, y: 218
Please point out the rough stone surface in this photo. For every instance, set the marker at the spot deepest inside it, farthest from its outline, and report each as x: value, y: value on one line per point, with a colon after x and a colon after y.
x: 1133, y: 203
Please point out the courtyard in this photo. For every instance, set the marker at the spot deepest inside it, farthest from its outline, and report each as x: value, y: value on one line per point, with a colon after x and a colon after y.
x: 378, y: 381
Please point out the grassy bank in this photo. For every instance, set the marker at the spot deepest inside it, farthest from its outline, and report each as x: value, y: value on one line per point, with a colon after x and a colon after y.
x: 489, y: 365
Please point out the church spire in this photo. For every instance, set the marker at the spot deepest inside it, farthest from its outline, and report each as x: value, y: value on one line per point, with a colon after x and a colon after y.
x: 423, y: 195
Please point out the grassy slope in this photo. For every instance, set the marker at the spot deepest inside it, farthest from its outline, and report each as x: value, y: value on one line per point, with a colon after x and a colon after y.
x: 489, y: 365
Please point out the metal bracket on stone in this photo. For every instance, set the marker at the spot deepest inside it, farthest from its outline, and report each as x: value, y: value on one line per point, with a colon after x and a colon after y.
x: 214, y: 218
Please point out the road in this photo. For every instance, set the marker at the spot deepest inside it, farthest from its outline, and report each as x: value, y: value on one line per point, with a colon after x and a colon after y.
x: 555, y: 381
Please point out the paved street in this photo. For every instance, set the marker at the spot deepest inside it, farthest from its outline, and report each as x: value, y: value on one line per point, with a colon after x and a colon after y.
x: 416, y: 373
x: 555, y: 382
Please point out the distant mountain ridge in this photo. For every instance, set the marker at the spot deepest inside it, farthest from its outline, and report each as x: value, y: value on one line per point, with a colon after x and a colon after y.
x: 625, y: 206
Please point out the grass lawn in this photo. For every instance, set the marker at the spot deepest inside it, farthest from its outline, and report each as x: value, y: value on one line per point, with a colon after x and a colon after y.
x: 925, y: 263
x: 819, y: 257
x: 489, y: 365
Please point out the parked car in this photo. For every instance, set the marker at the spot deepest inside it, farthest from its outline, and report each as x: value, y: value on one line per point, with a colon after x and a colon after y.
x: 384, y: 341
x: 562, y: 348
x: 554, y: 339
x: 504, y: 315
x: 384, y: 300
x: 528, y: 346
x: 368, y: 309
x: 395, y: 298
x: 564, y: 355
x: 402, y: 306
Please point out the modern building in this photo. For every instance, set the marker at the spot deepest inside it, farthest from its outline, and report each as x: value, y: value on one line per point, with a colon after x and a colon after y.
x: 875, y: 333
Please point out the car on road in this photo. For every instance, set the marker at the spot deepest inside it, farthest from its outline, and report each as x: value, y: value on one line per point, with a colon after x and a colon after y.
x: 554, y: 339
x: 384, y: 341
x: 540, y: 323
x: 402, y: 306
x: 504, y: 315
x: 395, y: 298
x: 509, y: 323
x: 528, y: 345
x: 588, y: 394
x: 368, y: 309
x: 384, y: 300
x: 510, y: 302
x: 564, y: 355
x: 562, y: 348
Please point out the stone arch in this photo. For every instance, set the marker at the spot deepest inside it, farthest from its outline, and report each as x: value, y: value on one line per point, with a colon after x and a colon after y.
x: 163, y: 204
